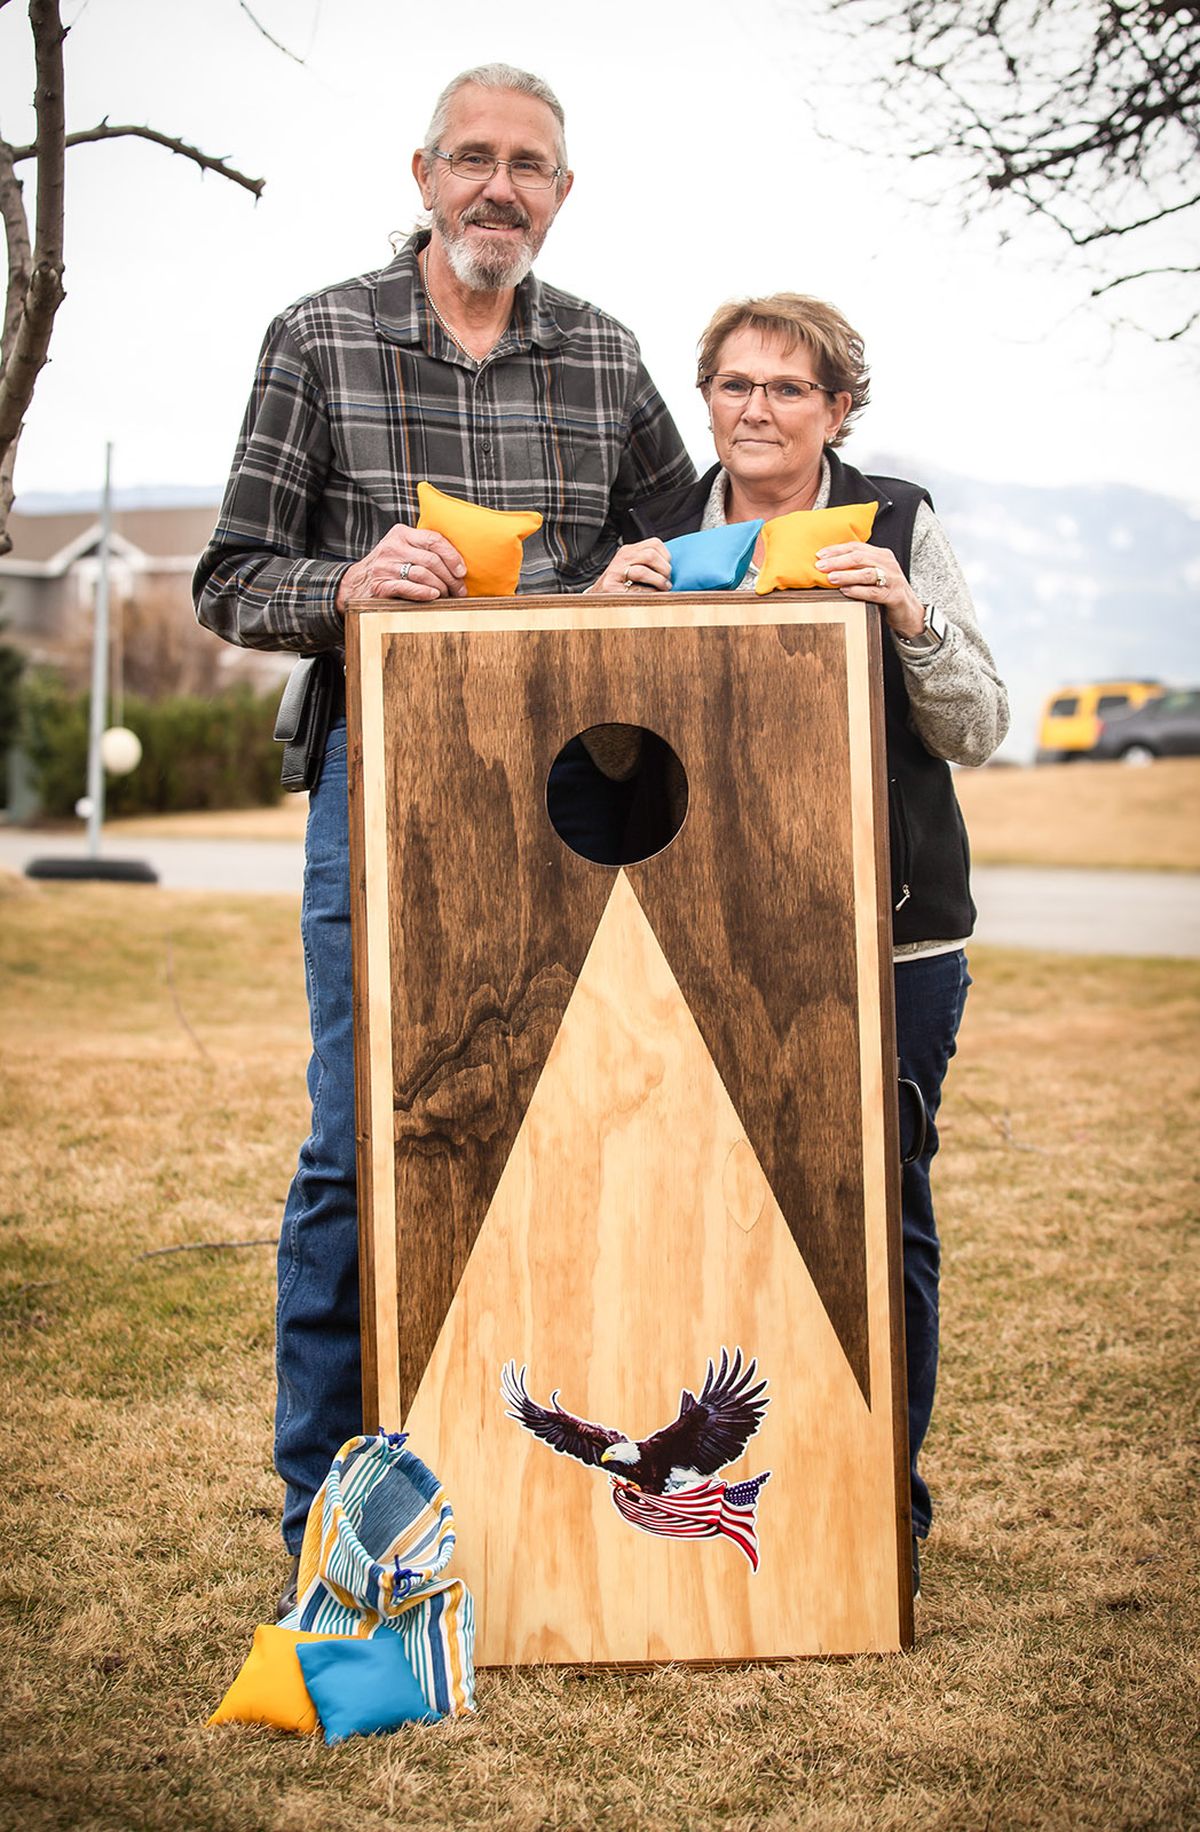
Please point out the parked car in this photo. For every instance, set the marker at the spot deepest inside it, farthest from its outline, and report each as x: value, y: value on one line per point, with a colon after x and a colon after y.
x: 1072, y: 719
x: 1166, y: 727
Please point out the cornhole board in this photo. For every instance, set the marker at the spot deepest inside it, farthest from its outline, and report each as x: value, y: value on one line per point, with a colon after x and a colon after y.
x: 615, y: 1121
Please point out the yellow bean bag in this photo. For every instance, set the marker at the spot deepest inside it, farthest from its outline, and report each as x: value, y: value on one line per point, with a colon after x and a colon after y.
x: 490, y: 541
x: 791, y: 544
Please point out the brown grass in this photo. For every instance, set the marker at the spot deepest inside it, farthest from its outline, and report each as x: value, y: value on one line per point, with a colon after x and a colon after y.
x: 1054, y: 1680
x: 285, y: 821
x: 1087, y: 814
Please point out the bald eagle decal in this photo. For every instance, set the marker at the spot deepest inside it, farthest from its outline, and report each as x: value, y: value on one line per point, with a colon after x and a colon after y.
x: 667, y: 1484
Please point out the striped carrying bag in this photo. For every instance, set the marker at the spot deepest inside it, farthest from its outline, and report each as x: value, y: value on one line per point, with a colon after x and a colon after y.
x: 379, y: 1534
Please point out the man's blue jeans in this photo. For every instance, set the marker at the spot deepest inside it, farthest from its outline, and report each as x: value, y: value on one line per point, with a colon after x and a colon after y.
x: 930, y: 996
x: 319, y: 1402
x: 317, y: 1357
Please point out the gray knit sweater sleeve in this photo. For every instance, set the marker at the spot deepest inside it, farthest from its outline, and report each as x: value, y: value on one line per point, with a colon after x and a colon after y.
x: 958, y: 702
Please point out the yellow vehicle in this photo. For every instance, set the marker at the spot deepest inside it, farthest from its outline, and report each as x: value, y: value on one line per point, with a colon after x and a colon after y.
x: 1073, y: 717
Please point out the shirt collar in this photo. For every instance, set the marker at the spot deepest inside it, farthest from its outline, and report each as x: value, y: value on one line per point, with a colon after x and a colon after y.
x: 714, y: 508
x: 403, y: 314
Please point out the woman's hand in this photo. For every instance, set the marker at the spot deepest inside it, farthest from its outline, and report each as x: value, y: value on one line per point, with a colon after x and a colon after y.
x: 873, y: 575
x: 643, y: 566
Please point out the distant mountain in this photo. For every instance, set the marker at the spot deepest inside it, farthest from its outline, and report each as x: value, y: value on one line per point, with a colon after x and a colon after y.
x: 1072, y: 582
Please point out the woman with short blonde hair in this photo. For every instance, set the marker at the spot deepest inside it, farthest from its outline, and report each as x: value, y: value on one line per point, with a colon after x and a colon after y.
x: 794, y: 319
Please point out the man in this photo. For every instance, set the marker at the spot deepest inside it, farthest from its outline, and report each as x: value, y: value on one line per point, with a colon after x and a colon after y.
x: 454, y: 365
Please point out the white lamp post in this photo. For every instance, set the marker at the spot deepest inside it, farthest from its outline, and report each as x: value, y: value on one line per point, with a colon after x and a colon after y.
x: 115, y: 750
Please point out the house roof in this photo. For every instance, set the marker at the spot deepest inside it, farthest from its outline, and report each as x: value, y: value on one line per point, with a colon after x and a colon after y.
x: 49, y: 543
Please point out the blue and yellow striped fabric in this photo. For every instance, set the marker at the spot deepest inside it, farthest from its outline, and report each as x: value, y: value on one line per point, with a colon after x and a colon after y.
x: 379, y: 1534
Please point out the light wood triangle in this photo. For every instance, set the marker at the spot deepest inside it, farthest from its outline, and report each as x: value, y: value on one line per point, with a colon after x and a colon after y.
x: 631, y: 1222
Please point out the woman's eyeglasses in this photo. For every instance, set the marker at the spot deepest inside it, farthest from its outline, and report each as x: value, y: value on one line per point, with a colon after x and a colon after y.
x: 781, y: 390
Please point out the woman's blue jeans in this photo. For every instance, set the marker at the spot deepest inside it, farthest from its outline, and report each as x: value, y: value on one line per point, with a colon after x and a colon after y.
x: 930, y: 995
x: 317, y: 1358
x: 319, y: 1402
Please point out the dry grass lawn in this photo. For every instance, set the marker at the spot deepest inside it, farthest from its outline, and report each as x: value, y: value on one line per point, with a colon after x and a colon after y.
x: 1093, y: 814
x: 1087, y: 814
x: 1054, y: 1679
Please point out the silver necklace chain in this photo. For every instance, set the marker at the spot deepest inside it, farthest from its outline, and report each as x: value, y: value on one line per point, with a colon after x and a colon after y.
x: 456, y: 341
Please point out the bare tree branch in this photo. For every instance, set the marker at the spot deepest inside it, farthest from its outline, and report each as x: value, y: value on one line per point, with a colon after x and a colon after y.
x: 1144, y: 273
x: 1145, y: 222
x: 44, y: 293
x: 16, y: 237
x: 35, y: 264
x: 1083, y: 112
x: 104, y: 131
x: 260, y: 27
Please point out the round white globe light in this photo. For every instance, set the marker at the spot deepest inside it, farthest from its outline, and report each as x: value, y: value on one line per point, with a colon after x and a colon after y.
x: 120, y: 750
x: 83, y: 808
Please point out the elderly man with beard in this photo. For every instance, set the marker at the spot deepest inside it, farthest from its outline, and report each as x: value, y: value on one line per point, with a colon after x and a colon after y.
x: 455, y: 365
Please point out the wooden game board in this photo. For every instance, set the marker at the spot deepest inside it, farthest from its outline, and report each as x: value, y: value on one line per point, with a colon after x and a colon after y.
x: 612, y: 1121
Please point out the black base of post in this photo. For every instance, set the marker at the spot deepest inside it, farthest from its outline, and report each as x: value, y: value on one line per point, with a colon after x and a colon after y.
x: 113, y: 871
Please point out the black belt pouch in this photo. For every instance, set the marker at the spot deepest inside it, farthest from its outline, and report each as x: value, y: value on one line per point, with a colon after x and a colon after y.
x: 302, y: 723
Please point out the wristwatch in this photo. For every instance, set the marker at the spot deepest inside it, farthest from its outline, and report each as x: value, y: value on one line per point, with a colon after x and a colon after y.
x: 931, y: 635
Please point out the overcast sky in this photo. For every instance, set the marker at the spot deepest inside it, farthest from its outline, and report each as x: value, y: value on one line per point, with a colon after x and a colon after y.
x: 713, y: 145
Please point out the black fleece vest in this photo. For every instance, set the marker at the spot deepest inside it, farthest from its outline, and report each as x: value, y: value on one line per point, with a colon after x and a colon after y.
x: 931, y: 898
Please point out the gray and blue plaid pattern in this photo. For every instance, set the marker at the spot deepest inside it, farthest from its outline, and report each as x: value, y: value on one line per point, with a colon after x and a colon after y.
x: 360, y: 394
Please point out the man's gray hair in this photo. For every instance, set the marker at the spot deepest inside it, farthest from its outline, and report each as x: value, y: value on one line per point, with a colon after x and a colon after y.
x: 498, y: 76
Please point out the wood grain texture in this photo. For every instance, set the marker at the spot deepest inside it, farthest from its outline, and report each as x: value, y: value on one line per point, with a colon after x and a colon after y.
x: 492, y: 915
x: 753, y: 904
x: 370, y: 1284
x: 615, y: 1105
x: 610, y: 1266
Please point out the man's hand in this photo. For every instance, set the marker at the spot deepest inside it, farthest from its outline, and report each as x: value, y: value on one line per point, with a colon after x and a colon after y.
x: 412, y: 563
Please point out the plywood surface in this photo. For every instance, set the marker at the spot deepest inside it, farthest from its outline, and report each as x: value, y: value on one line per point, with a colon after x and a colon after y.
x: 613, y: 1122
x: 493, y: 915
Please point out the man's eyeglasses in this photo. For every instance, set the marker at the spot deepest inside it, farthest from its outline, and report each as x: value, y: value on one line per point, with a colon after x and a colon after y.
x: 781, y: 390
x: 477, y: 168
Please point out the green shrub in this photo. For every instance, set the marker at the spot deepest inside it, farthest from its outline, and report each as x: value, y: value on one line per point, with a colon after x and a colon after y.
x: 196, y: 753
x: 12, y: 667
x: 54, y: 727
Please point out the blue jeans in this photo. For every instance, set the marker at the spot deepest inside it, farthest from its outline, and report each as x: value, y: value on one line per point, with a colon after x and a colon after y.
x: 930, y: 996
x: 317, y: 1358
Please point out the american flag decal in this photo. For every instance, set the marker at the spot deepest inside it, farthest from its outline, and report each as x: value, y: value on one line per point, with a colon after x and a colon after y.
x: 703, y: 1511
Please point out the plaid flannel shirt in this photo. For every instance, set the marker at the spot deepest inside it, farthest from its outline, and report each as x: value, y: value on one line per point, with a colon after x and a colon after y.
x: 360, y: 394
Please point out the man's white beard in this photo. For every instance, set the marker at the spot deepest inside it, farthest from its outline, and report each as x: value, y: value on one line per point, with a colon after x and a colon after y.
x: 483, y: 270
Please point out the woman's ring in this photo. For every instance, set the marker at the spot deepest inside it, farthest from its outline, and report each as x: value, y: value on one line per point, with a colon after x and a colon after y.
x: 406, y: 568
x: 626, y: 581
x: 880, y: 577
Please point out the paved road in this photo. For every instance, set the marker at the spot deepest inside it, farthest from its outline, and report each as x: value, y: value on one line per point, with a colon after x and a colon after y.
x: 1089, y: 912
x: 182, y: 865
x: 1077, y: 912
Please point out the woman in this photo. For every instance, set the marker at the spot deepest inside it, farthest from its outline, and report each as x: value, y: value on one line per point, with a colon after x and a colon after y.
x: 784, y: 378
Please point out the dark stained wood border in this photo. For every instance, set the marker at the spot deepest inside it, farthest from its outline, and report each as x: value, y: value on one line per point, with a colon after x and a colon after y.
x: 362, y: 1058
